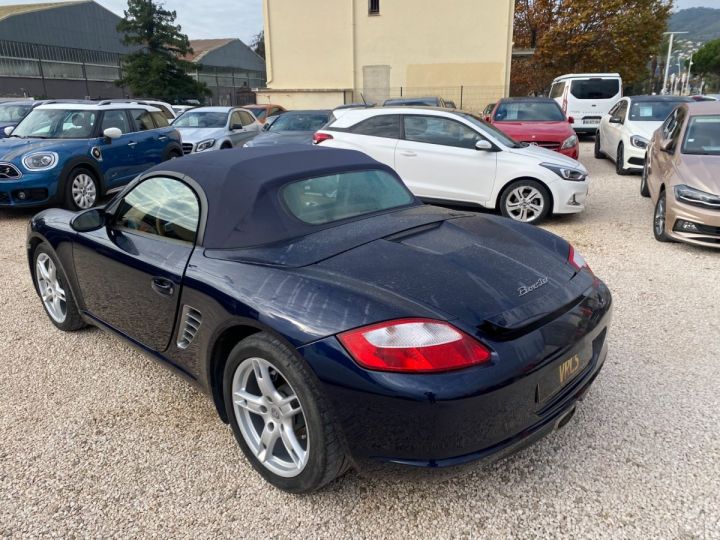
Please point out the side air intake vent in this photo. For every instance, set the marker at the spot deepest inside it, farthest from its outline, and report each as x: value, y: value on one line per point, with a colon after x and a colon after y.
x: 191, y: 320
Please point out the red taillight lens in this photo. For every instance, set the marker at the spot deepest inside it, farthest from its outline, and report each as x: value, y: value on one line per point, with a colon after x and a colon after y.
x: 320, y: 137
x: 576, y: 260
x: 413, y: 346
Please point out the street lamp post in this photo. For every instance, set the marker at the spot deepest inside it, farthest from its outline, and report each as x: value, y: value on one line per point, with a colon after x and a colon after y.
x: 667, y: 63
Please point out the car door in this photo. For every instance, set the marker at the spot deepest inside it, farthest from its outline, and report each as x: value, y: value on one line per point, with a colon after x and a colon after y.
x: 236, y: 129
x: 250, y: 127
x: 145, y: 141
x: 117, y: 158
x: 671, y: 130
x: 130, y: 271
x: 613, y: 132
x: 437, y: 159
x: 377, y: 136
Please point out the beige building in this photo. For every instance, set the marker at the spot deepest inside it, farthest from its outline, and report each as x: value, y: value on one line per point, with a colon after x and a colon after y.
x: 323, y: 53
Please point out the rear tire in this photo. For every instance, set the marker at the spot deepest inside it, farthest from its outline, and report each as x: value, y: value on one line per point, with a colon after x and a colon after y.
x: 659, y: 223
x: 527, y: 201
x: 644, y: 189
x: 598, y: 153
x: 298, y: 452
x: 620, y: 161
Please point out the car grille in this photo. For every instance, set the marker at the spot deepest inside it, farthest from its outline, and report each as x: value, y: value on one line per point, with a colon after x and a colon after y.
x: 9, y: 171
x: 546, y: 144
x: 187, y: 148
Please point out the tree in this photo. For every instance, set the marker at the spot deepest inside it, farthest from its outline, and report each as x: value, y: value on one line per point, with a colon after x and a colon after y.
x: 585, y: 36
x: 258, y: 44
x: 158, y: 68
x: 707, y: 60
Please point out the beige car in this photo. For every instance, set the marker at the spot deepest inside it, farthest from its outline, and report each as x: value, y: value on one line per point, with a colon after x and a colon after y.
x: 682, y: 175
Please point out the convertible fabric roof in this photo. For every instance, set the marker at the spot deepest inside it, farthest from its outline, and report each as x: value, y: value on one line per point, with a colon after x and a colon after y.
x: 242, y: 189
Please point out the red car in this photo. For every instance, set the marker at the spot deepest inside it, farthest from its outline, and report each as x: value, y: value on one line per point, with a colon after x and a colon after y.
x: 536, y: 120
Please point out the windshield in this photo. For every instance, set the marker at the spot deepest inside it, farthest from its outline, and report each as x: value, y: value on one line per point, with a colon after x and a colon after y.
x: 258, y: 112
x: 13, y: 113
x: 57, y: 124
x: 529, y: 111
x: 651, y: 111
x: 202, y: 119
x: 340, y: 196
x: 703, y: 136
x: 495, y: 132
x: 299, y: 122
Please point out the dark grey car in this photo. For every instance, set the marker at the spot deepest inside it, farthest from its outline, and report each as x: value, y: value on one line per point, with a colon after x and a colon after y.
x: 292, y: 127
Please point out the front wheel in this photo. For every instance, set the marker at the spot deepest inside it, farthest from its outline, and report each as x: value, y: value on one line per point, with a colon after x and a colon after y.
x: 527, y: 201
x: 620, y: 161
x: 281, y: 422
x: 644, y: 189
x: 659, y: 221
x: 82, y: 190
x: 52, y: 286
x: 598, y: 152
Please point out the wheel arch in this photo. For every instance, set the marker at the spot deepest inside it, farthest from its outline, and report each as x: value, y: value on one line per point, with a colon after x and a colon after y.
x: 84, y: 163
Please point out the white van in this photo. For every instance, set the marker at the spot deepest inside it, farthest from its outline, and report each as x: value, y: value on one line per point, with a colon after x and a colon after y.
x: 586, y: 97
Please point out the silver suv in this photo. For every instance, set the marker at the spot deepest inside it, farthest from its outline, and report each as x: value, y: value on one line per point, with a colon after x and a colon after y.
x: 215, y: 128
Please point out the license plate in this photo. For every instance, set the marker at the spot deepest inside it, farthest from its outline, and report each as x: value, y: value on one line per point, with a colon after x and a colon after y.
x: 592, y: 121
x: 560, y: 375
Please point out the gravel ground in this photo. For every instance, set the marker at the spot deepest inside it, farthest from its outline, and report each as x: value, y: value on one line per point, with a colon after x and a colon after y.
x: 98, y: 440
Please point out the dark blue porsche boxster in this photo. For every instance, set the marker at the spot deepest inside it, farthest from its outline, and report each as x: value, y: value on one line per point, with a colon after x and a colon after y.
x: 335, y: 320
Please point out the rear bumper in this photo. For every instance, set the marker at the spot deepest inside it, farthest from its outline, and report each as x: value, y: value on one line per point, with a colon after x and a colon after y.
x: 456, y: 418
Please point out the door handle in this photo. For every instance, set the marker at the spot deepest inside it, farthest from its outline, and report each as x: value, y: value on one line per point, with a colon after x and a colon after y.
x: 407, y: 153
x: 132, y: 143
x: 163, y: 286
x: 162, y: 138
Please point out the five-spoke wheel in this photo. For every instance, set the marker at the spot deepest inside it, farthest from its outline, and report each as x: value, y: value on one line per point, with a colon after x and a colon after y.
x: 50, y: 289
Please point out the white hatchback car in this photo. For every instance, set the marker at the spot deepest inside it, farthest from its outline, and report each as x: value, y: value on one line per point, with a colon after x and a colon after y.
x: 626, y: 130
x: 453, y: 156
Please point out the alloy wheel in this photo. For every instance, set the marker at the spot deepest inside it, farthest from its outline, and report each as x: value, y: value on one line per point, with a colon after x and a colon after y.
x: 660, y: 216
x: 270, y: 417
x: 51, y: 291
x: 525, y: 203
x: 84, y: 192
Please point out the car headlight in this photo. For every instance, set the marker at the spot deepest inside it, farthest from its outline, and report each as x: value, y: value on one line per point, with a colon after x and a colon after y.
x: 697, y: 197
x: 571, y: 141
x: 204, y: 145
x: 566, y: 173
x: 639, y: 142
x: 40, y: 161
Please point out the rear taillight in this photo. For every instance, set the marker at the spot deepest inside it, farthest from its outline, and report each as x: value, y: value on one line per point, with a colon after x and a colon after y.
x: 320, y: 137
x: 413, y: 346
x: 576, y: 260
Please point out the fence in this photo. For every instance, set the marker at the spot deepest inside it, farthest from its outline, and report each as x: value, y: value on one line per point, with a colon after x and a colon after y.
x: 470, y: 98
x: 29, y: 69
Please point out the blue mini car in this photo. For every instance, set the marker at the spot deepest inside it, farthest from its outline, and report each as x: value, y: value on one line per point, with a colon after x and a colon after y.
x: 71, y: 154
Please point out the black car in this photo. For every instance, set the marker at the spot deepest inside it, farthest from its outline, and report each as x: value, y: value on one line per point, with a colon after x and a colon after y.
x: 416, y: 102
x: 335, y: 320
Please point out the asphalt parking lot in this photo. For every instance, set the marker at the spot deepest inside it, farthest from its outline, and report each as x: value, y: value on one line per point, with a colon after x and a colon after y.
x: 98, y: 440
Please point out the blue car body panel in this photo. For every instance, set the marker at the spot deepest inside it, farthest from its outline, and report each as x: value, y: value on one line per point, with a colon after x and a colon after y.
x: 420, y: 261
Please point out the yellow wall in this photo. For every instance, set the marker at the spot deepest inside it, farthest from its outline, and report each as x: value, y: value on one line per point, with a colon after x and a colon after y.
x: 298, y: 99
x: 424, y: 46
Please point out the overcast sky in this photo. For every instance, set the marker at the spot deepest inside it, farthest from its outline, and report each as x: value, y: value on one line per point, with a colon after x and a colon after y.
x: 242, y: 18
x: 200, y: 19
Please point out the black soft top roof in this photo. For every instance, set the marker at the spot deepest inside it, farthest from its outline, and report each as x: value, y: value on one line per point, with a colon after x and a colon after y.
x: 244, y: 208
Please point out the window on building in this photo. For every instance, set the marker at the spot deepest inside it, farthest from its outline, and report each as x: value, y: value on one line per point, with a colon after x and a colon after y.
x: 374, y: 8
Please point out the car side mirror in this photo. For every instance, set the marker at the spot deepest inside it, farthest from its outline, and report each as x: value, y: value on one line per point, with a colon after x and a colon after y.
x: 615, y: 120
x: 571, y: 120
x: 112, y: 133
x: 483, y: 145
x: 236, y: 127
x: 89, y: 220
x: 8, y: 130
x: 487, y: 119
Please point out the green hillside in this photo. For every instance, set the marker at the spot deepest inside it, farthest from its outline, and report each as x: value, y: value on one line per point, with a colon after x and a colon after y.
x: 703, y: 24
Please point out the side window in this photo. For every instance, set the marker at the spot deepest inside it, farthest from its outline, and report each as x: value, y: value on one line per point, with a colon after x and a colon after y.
x: 235, y: 119
x: 557, y: 89
x: 274, y: 111
x: 677, y: 128
x: 246, y: 118
x: 437, y: 130
x: 622, y: 110
x: 167, y: 113
x: 162, y: 207
x: 385, y: 125
x: 160, y: 120
x: 115, y: 119
x: 143, y: 120
x: 669, y: 125
x: 614, y: 109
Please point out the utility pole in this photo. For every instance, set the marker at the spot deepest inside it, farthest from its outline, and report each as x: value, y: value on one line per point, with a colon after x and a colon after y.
x: 667, y: 62
x: 689, y: 72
